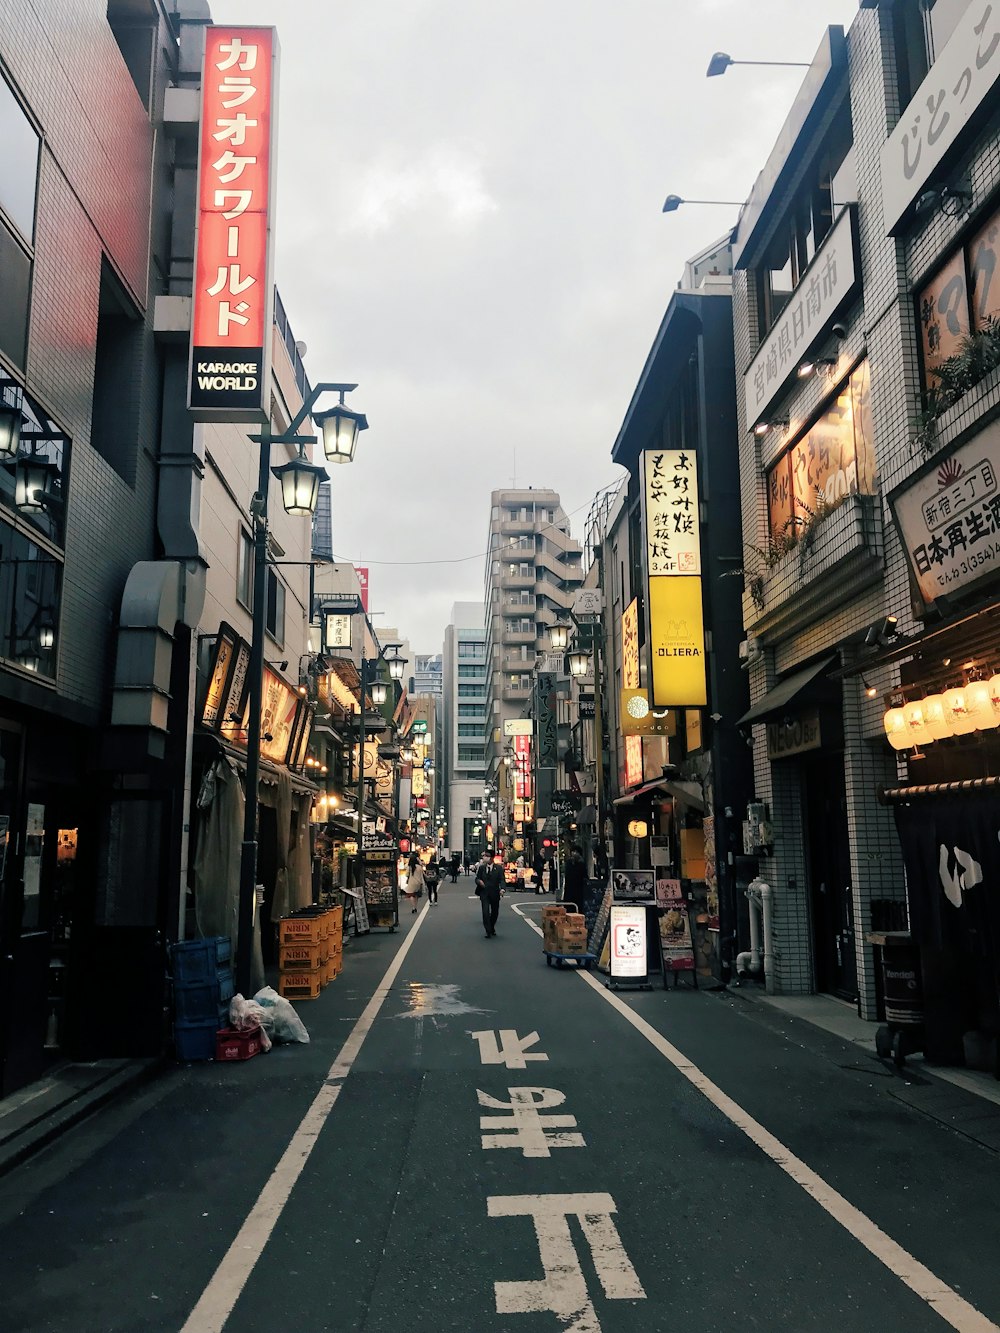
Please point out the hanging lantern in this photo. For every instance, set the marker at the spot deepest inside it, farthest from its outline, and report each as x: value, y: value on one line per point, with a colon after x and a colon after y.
x: 994, y: 688
x: 579, y: 664
x: 957, y: 713
x: 980, y: 705
x: 33, y: 485
x: 637, y: 828
x: 340, y: 427
x: 559, y: 637
x: 936, y: 718
x: 300, y: 482
x: 916, y: 730
x: 895, y: 729
x: 10, y: 432
x: 396, y: 666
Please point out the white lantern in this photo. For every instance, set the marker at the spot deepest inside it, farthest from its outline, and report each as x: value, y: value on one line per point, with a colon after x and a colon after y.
x: 980, y: 705
x: 994, y: 688
x: 895, y: 729
x: 10, y: 432
x: 300, y: 482
x: 916, y: 729
x: 340, y: 427
x: 957, y: 713
x: 935, y: 718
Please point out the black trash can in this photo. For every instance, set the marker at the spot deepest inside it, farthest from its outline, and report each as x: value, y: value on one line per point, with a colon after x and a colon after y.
x: 902, y: 994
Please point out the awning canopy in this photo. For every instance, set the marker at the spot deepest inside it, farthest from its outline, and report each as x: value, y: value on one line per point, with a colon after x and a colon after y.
x: 679, y: 789
x: 786, y: 692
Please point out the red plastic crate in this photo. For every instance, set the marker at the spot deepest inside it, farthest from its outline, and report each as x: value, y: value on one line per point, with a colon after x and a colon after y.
x: 234, y: 1044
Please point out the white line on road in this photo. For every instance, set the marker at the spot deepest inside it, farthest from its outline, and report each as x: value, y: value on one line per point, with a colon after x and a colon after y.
x: 930, y: 1288
x: 216, y: 1302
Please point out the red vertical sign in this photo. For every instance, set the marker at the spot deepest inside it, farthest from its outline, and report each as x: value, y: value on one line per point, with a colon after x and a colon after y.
x: 362, y: 573
x: 522, y: 770
x: 233, y: 286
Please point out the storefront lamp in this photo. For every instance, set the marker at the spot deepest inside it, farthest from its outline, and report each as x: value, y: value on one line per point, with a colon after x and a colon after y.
x: 10, y: 432
x: 637, y: 828
x: 407, y: 755
x: 579, y: 664
x: 300, y: 483
x: 559, y: 637
x: 340, y: 427
x: 379, y: 690
x: 957, y: 713
x: 396, y: 666
x: 916, y: 729
x: 980, y: 706
x: 895, y: 728
x: 34, y: 483
x: 935, y: 718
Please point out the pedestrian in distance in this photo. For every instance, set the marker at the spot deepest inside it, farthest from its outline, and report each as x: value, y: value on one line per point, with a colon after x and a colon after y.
x: 414, y: 884
x: 575, y: 879
x: 455, y: 867
x: 468, y: 862
x: 431, y: 878
x: 489, y: 887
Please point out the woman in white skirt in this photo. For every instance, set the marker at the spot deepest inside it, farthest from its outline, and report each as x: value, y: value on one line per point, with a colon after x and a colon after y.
x: 414, y: 885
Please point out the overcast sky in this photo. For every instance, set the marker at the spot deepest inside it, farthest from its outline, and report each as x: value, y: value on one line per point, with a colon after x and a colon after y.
x: 469, y: 227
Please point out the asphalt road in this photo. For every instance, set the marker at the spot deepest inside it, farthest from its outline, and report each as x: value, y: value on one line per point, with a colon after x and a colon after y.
x: 676, y: 1160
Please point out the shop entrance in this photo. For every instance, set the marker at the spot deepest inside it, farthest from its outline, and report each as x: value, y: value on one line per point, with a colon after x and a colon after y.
x: 829, y: 869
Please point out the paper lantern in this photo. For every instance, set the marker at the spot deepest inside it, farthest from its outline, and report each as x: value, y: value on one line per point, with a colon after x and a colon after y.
x: 993, y: 685
x: 895, y: 729
x: 980, y: 706
x: 957, y: 713
x: 935, y: 718
x: 916, y: 728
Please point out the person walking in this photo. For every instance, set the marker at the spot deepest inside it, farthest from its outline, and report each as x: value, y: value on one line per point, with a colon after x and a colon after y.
x: 575, y: 879
x: 431, y: 878
x: 489, y: 886
x: 468, y: 862
x: 455, y: 867
x: 414, y: 884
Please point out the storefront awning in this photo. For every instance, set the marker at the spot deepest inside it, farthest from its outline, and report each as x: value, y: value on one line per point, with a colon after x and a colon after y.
x: 786, y: 692
x: 678, y: 789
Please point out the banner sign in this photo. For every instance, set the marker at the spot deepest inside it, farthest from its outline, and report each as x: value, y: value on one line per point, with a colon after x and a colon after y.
x: 628, y: 941
x: 677, y: 643
x: 949, y: 517
x: 673, y: 537
x: 548, y: 755
x: 362, y: 573
x: 229, y: 373
x: 630, y: 645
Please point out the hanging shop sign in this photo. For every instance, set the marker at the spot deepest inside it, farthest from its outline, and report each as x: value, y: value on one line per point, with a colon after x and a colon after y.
x: 794, y: 735
x: 279, y: 706
x: 545, y: 712
x: 957, y: 84
x: 823, y: 288
x: 628, y: 941
x: 588, y: 602
x: 677, y: 643
x: 518, y: 726
x: 949, y: 517
x: 633, y: 760
x: 336, y: 631
x: 223, y: 660
x: 673, y: 539
x: 522, y: 768
x: 229, y: 374
x: 633, y: 886
x: 375, y: 840
x: 630, y: 645
x: 565, y: 802
x: 362, y: 573
x: 588, y: 707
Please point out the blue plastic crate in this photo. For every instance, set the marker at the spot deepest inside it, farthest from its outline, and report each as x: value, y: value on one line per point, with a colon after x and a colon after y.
x: 200, y: 960
x: 195, y: 1041
x: 197, y: 1001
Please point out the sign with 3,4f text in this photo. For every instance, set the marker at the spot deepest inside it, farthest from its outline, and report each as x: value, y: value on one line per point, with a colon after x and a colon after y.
x: 673, y: 536
x: 233, y: 302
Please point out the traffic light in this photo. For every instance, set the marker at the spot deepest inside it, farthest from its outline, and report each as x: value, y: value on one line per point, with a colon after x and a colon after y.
x: 547, y: 842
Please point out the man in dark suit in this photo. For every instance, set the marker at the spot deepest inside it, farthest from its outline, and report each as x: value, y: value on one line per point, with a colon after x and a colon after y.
x: 489, y: 886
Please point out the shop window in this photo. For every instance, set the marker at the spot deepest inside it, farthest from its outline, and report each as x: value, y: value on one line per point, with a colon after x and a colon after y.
x: 134, y: 25
x: 835, y: 458
x: 921, y: 29
x: 114, y: 427
x: 963, y: 297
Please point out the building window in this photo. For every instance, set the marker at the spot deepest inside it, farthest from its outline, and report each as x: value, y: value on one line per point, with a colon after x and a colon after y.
x: 471, y: 710
x: 30, y: 588
x: 471, y: 754
x: 963, y: 295
x: 244, y: 571
x: 472, y: 691
x: 275, y: 620
x: 19, y: 178
x: 471, y: 673
x: 920, y: 30
x: 833, y: 459
x: 827, y: 186
x: 475, y: 804
x: 134, y: 28
x: 470, y: 730
x: 470, y: 648
x: 114, y: 429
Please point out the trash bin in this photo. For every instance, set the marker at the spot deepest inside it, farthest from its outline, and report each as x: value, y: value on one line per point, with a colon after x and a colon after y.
x: 903, y: 1032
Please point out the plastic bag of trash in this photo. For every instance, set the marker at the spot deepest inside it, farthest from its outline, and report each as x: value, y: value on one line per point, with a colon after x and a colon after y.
x: 245, y: 1014
x: 280, y: 1019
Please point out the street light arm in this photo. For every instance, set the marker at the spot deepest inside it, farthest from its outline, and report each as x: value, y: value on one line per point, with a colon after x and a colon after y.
x: 290, y: 436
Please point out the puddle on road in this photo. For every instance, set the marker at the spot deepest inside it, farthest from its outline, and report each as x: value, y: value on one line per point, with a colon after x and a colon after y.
x: 426, y: 1000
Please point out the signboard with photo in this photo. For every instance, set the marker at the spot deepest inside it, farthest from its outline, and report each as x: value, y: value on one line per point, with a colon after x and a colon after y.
x: 633, y: 886
x: 676, y: 944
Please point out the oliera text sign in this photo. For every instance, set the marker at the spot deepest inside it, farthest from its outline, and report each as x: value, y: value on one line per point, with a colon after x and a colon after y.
x: 955, y: 87
x: 233, y: 301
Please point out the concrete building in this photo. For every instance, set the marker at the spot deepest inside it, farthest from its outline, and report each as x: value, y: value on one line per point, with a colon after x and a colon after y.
x: 533, y: 569
x: 425, y: 676
x: 464, y: 726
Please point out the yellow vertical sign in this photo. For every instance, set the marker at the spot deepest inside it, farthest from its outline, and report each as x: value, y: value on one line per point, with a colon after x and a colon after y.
x: 630, y: 645
x: 677, y: 642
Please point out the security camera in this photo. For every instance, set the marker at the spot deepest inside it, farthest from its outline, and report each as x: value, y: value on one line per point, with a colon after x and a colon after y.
x: 839, y: 331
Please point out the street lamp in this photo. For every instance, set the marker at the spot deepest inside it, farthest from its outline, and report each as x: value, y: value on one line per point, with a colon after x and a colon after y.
x: 340, y: 427
x: 559, y: 637
x: 300, y: 481
x: 674, y: 201
x: 10, y: 432
x: 720, y: 62
x: 378, y: 692
x: 579, y: 663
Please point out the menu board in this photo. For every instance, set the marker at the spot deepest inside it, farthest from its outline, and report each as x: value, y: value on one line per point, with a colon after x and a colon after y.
x: 676, y: 945
x: 600, y: 924
x: 628, y: 942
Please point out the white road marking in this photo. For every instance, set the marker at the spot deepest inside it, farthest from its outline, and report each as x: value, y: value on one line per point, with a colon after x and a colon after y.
x: 528, y: 1124
x: 216, y: 1302
x: 511, y: 1050
x: 563, y: 1289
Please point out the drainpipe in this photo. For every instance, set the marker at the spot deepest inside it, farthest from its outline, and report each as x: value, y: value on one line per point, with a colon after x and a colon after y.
x: 766, y: 904
x: 749, y: 963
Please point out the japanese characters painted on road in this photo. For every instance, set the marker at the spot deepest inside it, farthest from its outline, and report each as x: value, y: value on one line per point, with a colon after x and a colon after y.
x: 507, y: 1048
x: 671, y: 514
x: 633, y: 886
x: 677, y: 642
x: 628, y: 941
x: 527, y: 1122
x: 230, y: 366
x: 948, y: 517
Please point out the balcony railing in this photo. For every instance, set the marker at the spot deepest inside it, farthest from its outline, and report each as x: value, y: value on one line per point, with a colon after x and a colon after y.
x: 511, y: 581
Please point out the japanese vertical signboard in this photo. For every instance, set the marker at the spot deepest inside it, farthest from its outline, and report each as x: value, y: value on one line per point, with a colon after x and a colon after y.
x: 233, y: 286
x: 630, y: 679
x: 362, y: 573
x: 673, y: 555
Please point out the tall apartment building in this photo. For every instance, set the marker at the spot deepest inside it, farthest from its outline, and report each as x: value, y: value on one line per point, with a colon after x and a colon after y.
x: 426, y: 675
x: 533, y: 570
x: 464, y: 727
